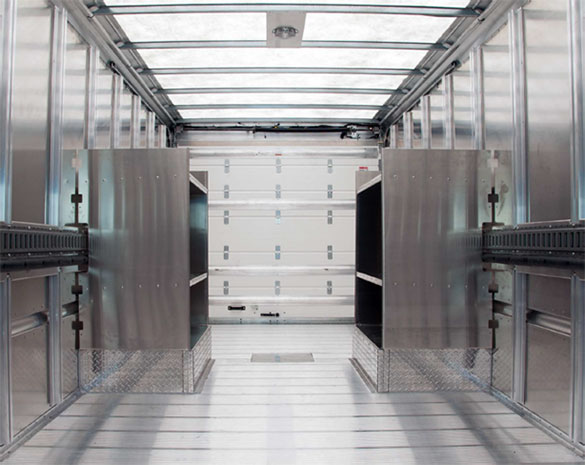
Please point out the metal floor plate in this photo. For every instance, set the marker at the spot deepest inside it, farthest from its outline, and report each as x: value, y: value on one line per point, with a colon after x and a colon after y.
x: 282, y: 358
x: 286, y: 413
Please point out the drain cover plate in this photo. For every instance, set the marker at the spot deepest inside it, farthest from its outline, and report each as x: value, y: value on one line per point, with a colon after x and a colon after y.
x: 283, y: 358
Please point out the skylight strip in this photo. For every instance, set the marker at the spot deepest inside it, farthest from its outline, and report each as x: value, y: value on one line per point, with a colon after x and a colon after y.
x: 440, y: 11
x: 278, y: 90
x: 293, y: 70
x: 276, y: 106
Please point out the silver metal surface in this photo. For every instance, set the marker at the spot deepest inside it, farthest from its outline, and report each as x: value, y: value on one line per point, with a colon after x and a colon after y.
x: 54, y: 338
x: 306, y: 413
x: 280, y: 300
x: 577, y: 66
x: 426, y: 121
x: 7, y: 42
x: 503, y: 355
x: 408, y: 129
x: 5, y: 364
x: 276, y: 119
x: 277, y: 90
x: 75, y: 96
x: 548, y: 110
x: 431, y: 251
x: 135, y: 122
x: 449, y: 111
x: 577, y: 426
x: 285, y: 7
x: 282, y: 70
x: 478, y: 98
x: 103, y: 117
x: 519, y: 338
x: 150, y: 122
x: 280, y: 204
x: 252, y: 270
x: 197, y: 279
x: 91, y: 70
x: 139, y: 269
x: 548, y: 376
x: 162, y: 136
x: 277, y: 106
x: 369, y: 278
x: 116, y: 104
x: 463, y: 96
x: 520, y: 132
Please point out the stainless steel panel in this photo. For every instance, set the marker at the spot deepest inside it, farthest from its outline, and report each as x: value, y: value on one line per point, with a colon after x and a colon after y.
x: 29, y: 110
x: 69, y: 377
x: 74, y: 91
x: 548, y: 110
x: 495, y: 169
x: 463, y: 113
x: 28, y: 297
x: 548, y: 376
x: 432, y: 251
x: 497, y: 91
x: 29, y: 377
x: 103, y: 106
x: 139, y: 230
x: 437, y: 118
x: 549, y: 295
x: 125, y: 118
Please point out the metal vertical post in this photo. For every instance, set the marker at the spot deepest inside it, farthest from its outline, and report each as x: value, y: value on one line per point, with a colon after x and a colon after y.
x: 8, y: 20
x: 519, y: 338
x: 55, y: 314
x: 577, y: 429
x: 448, y: 113
x: 91, y: 69
x: 477, y: 98
x: 577, y: 64
x: 162, y: 136
x: 426, y: 121
x: 5, y: 376
x: 394, y: 136
x: 519, y: 152
x: 135, y: 122
x: 408, y: 129
x: 115, y: 129
x: 150, y: 123
x: 55, y: 116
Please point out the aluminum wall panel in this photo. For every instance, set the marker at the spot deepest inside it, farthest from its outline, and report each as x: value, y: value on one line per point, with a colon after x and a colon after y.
x: 501, y: 178
x: 103, y: 106
x: 548, y: 376
x: 463, y: 107
x: 28, y: 297
x: 432, y: 251
x: 74, y: 91
x: 417, y: 115
x: 125, y: 118
x: 550, y: 295
x: 69, y: 376
x: 29, y: 377
x: 548, y: 110
x: 30, y: 96
x: 497, y: 81
x: 139, y: 260
x: 437, y: 118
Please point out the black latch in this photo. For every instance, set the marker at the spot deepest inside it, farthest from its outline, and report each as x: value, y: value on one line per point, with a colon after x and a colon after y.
x: 493, y: 324
x: 493, y: 197
x: 76, y: 198
x: 77, y: 289
x: 77, y: 325
x: 237, y: 307
x: 493, y: 288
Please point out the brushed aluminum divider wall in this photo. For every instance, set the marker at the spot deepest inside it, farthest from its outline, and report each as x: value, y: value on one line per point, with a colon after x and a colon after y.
x: 139, y: 260
x: 426, y: 121
x: 6, y: 76
x: 150, y: 124
x: 431, y: 251
x: 448, y: 112
x: 519, y: 152
x: 408, y: 129
x: 577, y: 423
x: 477, y: 96
x: 577, y: 66
x: 519, y: 341
x: 54, y: 339
x: 135, y: 122
x: 394, y: 136
x: 5, y: 364
x: 115, y: 128
x: 91, y: 69
x: 162, y: 136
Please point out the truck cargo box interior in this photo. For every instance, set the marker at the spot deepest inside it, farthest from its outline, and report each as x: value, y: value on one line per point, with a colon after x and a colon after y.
x: 292, y: 232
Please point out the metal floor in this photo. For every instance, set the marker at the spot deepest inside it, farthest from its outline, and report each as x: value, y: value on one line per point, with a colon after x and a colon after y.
x: 276, y: 413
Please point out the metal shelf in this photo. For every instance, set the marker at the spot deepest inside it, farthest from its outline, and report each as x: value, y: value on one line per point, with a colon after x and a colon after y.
x: 368, y: 278
x: 197, y: 279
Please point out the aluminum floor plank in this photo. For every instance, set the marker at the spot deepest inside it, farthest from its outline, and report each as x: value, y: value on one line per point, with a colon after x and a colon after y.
x: 286, y: 413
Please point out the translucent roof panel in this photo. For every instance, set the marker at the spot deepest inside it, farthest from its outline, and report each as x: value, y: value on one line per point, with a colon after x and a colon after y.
x: 280, y: 98
x: 209, y: 26
x: 382, y: 28
x: 285, y: 57
x: 275, y: 115
x: 447, y: 3
x: 279, y: 80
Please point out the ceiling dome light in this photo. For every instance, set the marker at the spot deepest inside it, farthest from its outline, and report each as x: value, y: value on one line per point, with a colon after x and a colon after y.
x: 285, y: 32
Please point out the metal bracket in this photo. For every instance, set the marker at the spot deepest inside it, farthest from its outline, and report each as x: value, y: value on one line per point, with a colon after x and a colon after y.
x: 226, y: 252
x: 330, y: 191
x: 226, y: 288
x: 330, y: 166
x: 276, y: 287
x: 329, y: 252
x: 329, y: 216
x: 226, y: 217
x: 226, y: 166
x: 277, y: 215
x: 278, y: 165
x: 329, y: 287
x: 277, y: 252
x: 277, y: 191
x: 226, y: 191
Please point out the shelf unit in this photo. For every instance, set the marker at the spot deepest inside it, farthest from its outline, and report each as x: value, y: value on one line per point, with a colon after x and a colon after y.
x: 198, y: 255
x: 369, y: 255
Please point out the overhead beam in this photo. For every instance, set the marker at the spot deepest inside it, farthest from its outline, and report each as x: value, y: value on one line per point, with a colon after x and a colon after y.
x: 277, y: 121
x: 282, y: 70
x: 194, y: 44
x: 280, y: 7
x: 277, y: 90
x: 276, y: 106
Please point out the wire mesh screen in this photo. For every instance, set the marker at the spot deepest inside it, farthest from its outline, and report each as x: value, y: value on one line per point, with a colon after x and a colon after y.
x: 423, y: 370
x: 144, y: 371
